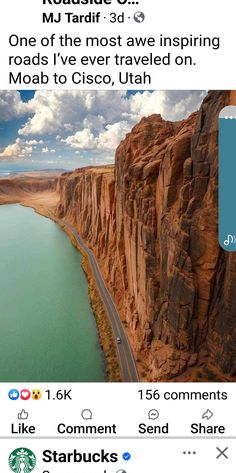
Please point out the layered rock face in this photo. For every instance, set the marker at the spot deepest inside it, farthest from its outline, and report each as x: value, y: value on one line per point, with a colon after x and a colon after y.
x: 19, y: 187
x: 152, y: 223
x: 87, y: 200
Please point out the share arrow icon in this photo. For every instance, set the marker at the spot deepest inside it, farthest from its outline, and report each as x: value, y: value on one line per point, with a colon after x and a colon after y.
x: 207, y: 415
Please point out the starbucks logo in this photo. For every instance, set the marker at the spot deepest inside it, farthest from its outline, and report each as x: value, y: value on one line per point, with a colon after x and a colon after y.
x: 22, y: 460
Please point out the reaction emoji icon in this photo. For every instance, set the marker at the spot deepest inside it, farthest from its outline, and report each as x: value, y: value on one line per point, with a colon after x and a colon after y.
x: 36, y: 394
x: 25, y: 394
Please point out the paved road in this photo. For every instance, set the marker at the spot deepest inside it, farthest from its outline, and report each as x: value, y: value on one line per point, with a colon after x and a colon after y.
x: 125, y: 355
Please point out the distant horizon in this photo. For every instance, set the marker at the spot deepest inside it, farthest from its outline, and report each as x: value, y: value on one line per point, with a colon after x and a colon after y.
x: 72, y: 129
x: 4, y: 171
x: 7, y: 169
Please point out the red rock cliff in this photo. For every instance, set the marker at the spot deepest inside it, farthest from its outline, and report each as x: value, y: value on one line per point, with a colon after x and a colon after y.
x: 152, y: 222
x: 19, y: 187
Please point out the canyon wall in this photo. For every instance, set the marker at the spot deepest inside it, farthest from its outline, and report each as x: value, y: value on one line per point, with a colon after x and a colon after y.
x: 152, y: 222
x: 20, y: 187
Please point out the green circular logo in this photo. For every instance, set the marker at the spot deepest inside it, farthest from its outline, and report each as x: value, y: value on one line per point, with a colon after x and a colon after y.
x: 22, y: 460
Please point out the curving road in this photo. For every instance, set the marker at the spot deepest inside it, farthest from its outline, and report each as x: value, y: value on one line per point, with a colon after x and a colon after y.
x: 125, y: 355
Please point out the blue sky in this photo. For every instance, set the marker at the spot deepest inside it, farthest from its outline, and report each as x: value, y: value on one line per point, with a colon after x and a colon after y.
x: 68, y: 129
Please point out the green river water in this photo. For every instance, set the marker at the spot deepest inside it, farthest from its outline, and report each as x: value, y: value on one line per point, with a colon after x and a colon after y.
x: 47, y: 328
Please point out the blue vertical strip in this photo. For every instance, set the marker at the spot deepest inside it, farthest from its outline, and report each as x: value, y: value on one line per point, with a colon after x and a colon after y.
x: 227, y: 178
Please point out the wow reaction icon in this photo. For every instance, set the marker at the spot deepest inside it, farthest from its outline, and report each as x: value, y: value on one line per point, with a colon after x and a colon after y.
x: 36, y: 394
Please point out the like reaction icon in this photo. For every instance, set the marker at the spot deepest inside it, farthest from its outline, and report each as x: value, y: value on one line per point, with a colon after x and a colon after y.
x: 23, y: 415
x: 13, y: 394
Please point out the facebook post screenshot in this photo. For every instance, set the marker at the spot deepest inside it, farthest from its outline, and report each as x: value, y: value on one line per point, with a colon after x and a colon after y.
x: 118, y: 239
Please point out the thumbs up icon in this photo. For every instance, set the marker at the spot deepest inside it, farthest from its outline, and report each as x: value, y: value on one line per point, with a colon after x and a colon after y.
x: 23, y: 415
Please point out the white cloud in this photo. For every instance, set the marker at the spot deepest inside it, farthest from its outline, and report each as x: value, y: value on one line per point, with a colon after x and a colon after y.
x: 56, y: 111
x: 11, y: 105
x: 34, y: 142
x: 82, y: 140
x: 65, y: 110
x: 48, y: 150
x: 93, y: 121
x: 19, y: 149
x: 171, y: 105
x: 73, y: 111
x: 106, y: 140
x: 113, y: 134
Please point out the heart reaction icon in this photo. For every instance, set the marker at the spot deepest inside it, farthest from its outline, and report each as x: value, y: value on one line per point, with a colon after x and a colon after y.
x: 25, y: 394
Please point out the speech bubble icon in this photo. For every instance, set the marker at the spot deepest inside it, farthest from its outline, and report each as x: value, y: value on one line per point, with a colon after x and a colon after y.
x: 153, y: 414
x: 86, y: 414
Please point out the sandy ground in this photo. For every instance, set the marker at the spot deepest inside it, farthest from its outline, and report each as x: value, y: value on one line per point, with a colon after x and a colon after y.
x: 34, y: 189
x: 46, y: 199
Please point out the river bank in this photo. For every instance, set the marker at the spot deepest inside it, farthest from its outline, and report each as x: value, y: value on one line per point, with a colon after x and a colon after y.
x: 105, y: 333
x: 106, y: 336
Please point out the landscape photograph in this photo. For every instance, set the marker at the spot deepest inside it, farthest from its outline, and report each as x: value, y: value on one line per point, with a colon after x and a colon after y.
x: 110, y: 266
